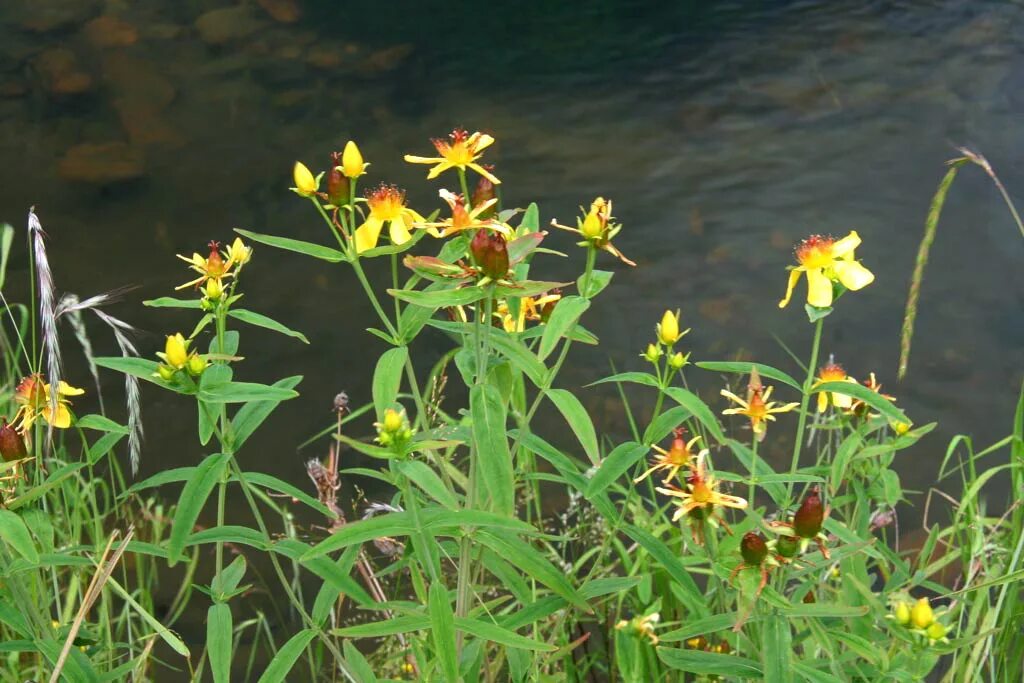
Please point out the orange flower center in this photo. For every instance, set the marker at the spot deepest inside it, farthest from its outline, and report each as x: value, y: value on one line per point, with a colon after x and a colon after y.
x: 457, y: 151
x: 215, y: 266
x: 386, y: 202
x: 700, y: 491
x: 31, y: 391
x: 678, y: 454
x: 833, y: 372
x: 815, y: 252
x: 757, y: 408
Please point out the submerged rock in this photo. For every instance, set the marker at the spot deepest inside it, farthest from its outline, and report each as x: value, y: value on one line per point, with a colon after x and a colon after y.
x: 109, y: 31
x: 227, y: 25
x: 101, y: 163
x: 60, y: 73
x: 136, y: 79
x: 284, y: 11
x: 43, y: 16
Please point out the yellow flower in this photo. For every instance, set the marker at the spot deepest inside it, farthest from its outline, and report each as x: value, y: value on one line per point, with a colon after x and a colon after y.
x: 641, y: 626
x: 678, y: 456
x: 937, y: 631
x: 757, y: 406
x: 393, y: 420
x: 238, y: 253
x: 921, y: 615
x: 460, y: 151
x: 175, y: 351
x: 352, y: 164
x: 387, y: 206
x: 597, y: 229
x: 700, y: 493
x: 213, y: 267
x: 34, y: 396
x: 305, y: 184
x: 463, y: 219
x: 668, y: 329
x: 833, y: 372
x: 213, y: 289
x: 535, y: 308
x: 826, y: 260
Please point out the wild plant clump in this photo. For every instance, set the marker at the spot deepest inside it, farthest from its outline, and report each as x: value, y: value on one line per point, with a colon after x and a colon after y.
x: 491, y: 550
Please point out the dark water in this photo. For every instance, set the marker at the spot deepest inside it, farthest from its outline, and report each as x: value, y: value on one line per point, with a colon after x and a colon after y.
x: 723, y: 132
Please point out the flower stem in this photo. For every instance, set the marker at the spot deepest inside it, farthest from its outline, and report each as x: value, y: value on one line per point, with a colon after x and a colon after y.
x: 805, y: 399
x: 465, y: 190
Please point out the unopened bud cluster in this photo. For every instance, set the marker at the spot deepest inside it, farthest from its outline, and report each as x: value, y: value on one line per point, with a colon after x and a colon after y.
x: 393, y: 431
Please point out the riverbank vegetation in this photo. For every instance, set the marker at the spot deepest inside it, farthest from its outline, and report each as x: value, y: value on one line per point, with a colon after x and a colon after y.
x: 489, y: 550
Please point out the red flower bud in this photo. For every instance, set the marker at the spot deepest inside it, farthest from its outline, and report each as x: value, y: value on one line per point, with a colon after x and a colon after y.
x: 337, y: 182
x: 810, y: 515
x: 484, y: 192
x: 753, y: 549
x: 490, y: 251
x: 12, y: 446
x: 549, y: 308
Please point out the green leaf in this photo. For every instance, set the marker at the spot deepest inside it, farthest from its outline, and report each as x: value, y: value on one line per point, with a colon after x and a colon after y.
x: 6, y: 239
x: 101, y: 423
x: 14, y: 532
x: 420, y: 474
x: 282, y: 662
x: 661, y: 426
x: 777, y: 650
x: 497, y: 634
x: 387, y: 378
x: 228, y: 579
x: 250, y: 416
x: 390, y: 524
x: 243, y: 392
x: 218, y: 641
x: 165, y: 633
x: 578, y: 419
x: 442, y: 631
x: 531, y: 218
x: 710, y: 663
x: 821, y: 610
x: 207, y: 421
x: 599, y: 279
x: 260, y: 320
x: 521, y: 357
x: 567, y: 311
x: 171, y: 302
x: 494, y: 459
x: 387, y: 249
x: 440, y: 298
x: 694, y: 596
x: 743, y: 368
x: 634, y: 377
x: 700, y: 410
x: 279, y: 486
x: 358, y: 666
x: 814, y: 314
x: 527, y: 288
x: 862, y: 393
x: 193, y: 498
x: 533, y: 564
x: 308, y: 248
x: 387, y: 627
x: 618, y: 462
x: 702, y: 627
x: 137, y: 367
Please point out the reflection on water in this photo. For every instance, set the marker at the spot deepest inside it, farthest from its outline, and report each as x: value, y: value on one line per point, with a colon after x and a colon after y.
x: 145, y: 129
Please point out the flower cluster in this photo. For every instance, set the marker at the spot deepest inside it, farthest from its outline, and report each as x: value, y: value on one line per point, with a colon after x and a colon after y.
x: 920, y: 619
x: 393, y: 431
x: 177, y: 358
x: 216, y: 268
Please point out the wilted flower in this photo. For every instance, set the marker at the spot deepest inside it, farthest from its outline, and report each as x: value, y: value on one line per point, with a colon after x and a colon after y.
x: 597, y: 228
x: 490, y: 251
x: 12, y: 445
x: 34, y: 398
x: 641, y: 626
x: 387, y: 206
x: 700, y: 493
x: 212, y: 267
x: 832, y: 372
x: 532, y: 308
x: 754, y: 551
x: 338, y: 185
x: 352, y: 164
x: 482, y: 195
x: 460, y: 151
x: 807, y: 523
x: 462, y: 218
x: 826, y: 260
x: 679, y: 455
x: 306, y: 184
x: 757, y: 407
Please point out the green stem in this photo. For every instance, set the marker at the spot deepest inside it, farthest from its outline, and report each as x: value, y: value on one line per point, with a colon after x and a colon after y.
x: 805, y: 399
x: 465, y: 189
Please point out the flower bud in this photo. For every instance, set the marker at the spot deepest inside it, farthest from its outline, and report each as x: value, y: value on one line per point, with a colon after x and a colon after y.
x: 653, y: 353
x: 592, y: 228
x: 352, y: 161
x: 810, y: 515
x: 902, y: 613
x: 176, y: 351
x: 213, y: 289
x: 490, y: 251
x: 305, y: 183
x: 921, y: 615
x: 937, y: 631
x: 337, y: 182
x: 698, y: 643
x: 484, y: 192
x: 668, y: 328
x: 12, y: 446
x: 753, y: 549
x: 677, y: 361
x: 166, y: 372
x: 239, y: 253
x: 393, y: 420
x: 788, y: 546
x: 196, y: 364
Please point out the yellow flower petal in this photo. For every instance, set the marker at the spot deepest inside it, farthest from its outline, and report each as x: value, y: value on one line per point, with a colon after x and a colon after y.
x: 846, y: 245
x: 412, y: 159
x: 853, y: 275
x: 794, y: 275
x: 485, y: 173
x: 65, y: 389
x: 439, y: 169
x: 63, y: 418
x: 819, y: 289
x: 399, y: 232
x: 822, y: 401
x: 367, y: 234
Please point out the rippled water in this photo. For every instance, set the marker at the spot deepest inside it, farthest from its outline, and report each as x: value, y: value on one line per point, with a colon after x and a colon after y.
x: 724, y: 134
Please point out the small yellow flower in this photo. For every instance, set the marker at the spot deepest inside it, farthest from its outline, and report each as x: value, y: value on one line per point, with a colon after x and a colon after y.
x: 352, y: 164
x: 460, y: 151
x: 213, y: 267
x: 641, y: 626
x: 678, y: 360
x: 239, y: 253
x: 597, y: 228
x: 937, y: 631
x: 757, y: 406
x: 921, y: 615
x: 825, y: 260
x: 532, y: 308
x: 34, y: 397
x: 392, y: 420
x: 652, y: 353
x: 700, y: 493
x: 175, y: 351
x: 305, y: 183
x: 213, y: 289
x: 463, y: 218
x: 393, y: 429
x: 678, y: 456
x: 668, y: 329
x: 833, y: 372
x: 387, y: 207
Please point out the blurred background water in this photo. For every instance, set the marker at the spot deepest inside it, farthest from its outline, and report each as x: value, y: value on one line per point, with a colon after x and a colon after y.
x: 724, y: 132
